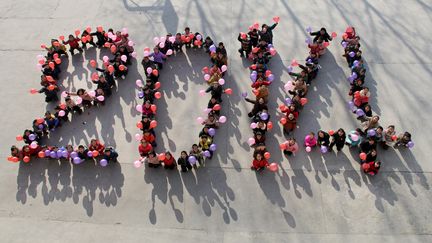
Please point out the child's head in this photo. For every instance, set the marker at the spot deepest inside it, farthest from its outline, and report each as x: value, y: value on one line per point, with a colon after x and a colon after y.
x: 375, y: 118
x: 81, y: 148
x: 80, y: 91
x: 291, y: 141
x: 391, y: 128
x: 204, y: 138
x: 26, y: 148
x: 144, y: 142
x: 378, y: 164
x: 373, y: 152
x: 93, y: 142
x: 168, y: 155
x: 261, y: 101
x: 71, y: 37
x: 152, y: 154
x: 321, y: 134
x: 323, y: 31
x: 107, y: 151
x: 194, y: 147
x: 407, y: 136
x: 379, y: 129
x: 371, y: 141
x: 14, y: 150
x: 183, y: 154
x: 187, y: 30
x: 258, y: 156
x: 341, y: 132
x: 156, y: 49
x: 311, y: 135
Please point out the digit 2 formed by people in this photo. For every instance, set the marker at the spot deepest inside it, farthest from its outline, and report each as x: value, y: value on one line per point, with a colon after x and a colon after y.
x: 119, y: 52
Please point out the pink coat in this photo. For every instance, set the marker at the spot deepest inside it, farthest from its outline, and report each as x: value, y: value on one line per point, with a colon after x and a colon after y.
x: 310, y: 142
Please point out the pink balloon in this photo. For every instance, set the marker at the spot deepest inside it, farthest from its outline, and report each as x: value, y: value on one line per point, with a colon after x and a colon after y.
x: 62, y: 113
x: 200, y: 120
x: 139, y: 108
x: 123, y: 58
x: 139, y: 83
x: 131, y: 43
x: 224, y: 68
x: 221, y: 81
x: 207, y: 110
x: 222, y: 119
x: 202, y: 92
x: 134, y: 54
x: 78, y: 100
x: 137, y: 164
x: 100, y: 98
x: 273, y: 167
x: 92, y: 93
x: 64, y: 94
x: 149, y: 70
x: 169, y: 52
x: 138, y: 137
x: 251, y: 141
x: 172, y: 39
x: 308, y: 149
x: 33, y: 145
x: 105, y: 58
x: 156, y: 40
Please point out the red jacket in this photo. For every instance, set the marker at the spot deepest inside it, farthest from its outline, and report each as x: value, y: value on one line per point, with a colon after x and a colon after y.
x: 169, y: 162
x: 370, y: 168
x: 288, y: 111
x: 257, y: 164
x: 145, y: 150
x: 73, y: 44
x: 32, y: 152
x: 150, y: 138
x: 98, y: 147
x: 257, y: 84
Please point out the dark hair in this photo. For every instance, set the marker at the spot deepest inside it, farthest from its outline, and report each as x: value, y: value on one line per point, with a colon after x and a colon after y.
x: 341, y: 129
x: 187, y: 29
x: 323, y: 29
x: 81, y: 146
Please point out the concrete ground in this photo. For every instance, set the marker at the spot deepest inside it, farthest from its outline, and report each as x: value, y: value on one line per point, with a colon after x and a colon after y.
x: 312, y: 198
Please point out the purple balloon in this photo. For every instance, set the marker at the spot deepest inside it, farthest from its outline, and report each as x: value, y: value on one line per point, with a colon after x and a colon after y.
x: 74, y: 155
x: 32, y: 137
x: 351, y: 104
x: 244, y: 94
x: 350, y: 79
x: 89, y: 154
x: 360, y: 112
x: 352, y: 54
x: 288, y: 101
x: 40, y: 126
x: 410, y: 144
x: 264, y: 116
x: 269, y: 46
x: 344, y: 44
x: 356, y: 63
x: 47, y: 153
x: 140, y: 94
x: 323, y: 149
x: 354, y: 75
x: 255, y: 73
x: 270, y: 77
x: 212, y: 132
x: 253, y: 78
x: 53, y: 154
x: 371, y: 133
x: 65, y: 154
x: 212, y: 48
x: 213, y: 147
x: 77, y: 160
x: 192, y: 160
x: 308, y: 41
x: 290, y: 68
x: 206, y: 153
x: 103, y: 162
x: 309, y: 29
x: 59, y: 153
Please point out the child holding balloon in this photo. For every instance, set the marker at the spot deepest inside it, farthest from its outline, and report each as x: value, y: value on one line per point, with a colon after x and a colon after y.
x: 73, y: 43
x: 338, y: 139
x: 183, y: 162
x: 259, y: 163
x: 310, y: 140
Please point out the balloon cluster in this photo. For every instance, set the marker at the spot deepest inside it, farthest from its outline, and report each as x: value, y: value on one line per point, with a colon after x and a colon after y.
x: 165, y: 47
x: 257, y: 44
x: 115, y: 67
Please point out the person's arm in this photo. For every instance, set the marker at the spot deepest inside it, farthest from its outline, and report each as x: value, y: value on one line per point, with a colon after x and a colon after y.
x: 209, y: 89
x: 314, y: 33
x: 273, y: 26
x: 250, y: 101
x: 100, y: 69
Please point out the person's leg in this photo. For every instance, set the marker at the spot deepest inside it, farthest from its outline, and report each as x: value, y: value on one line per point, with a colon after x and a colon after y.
x: 241, y: 52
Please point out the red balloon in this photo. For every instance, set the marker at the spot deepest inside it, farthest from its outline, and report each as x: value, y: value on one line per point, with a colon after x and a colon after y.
x: 282, y: 146
x: 57, y: 61
x: 41, y: 154
x: 303, y: 101
x: 158, y: 95
x: 153, y: 124
x: 228, y: 91
x: 26, y: 159
x: 267, y: 155
x: 161, y: 157
x: 9, y: 158
x: 331, y: 132
x: 253, y: 66
x: 95, y: 153
x: 269, y: 125
x: 157, y: 85
x: 283, y: 120
x: 122, y: 67
x: 267, y: 73
x: 51, y: 65
x: 362, y: 156
x: 19, y: 138
x: 111, y: 68
x: 33, y: 91
x: 15, y: 159
x: 51, y: 87
x: 217, y: 107
x: 153, y: 108
x: 93, y: 63
x: 273, y: 167
x: 155, y: 72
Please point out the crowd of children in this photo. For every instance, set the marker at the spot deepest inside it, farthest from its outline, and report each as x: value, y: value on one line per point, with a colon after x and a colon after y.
x: 153, y: 63
x: 122, y: 51
x: 298, y: 88
x: 366, y: 138
x: 257, y: 46
x: 371, y: 132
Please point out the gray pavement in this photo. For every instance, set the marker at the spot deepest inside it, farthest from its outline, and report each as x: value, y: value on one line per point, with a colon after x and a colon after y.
x: 312, y: 198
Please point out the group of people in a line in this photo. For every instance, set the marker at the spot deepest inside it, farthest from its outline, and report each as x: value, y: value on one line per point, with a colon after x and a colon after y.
x: 122, y: 52
x: 153, y: 63
x: 257, y: 46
